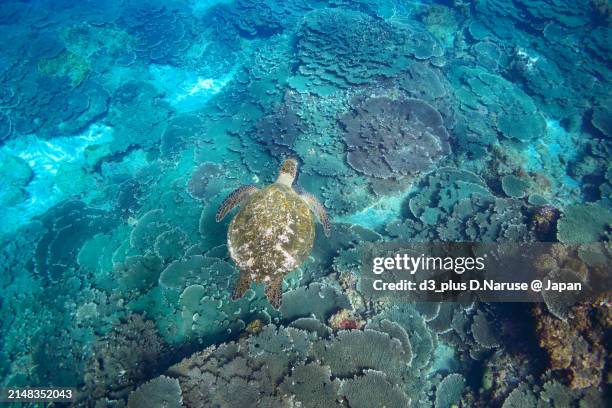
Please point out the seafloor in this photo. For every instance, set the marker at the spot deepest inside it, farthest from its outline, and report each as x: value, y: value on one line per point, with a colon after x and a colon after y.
x: 123, y: 125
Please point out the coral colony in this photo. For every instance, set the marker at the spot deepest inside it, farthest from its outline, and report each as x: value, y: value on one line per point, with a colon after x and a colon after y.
x: 124, y: 124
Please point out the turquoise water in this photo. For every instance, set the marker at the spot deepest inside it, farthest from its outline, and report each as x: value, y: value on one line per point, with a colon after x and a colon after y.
x: 125, y: 124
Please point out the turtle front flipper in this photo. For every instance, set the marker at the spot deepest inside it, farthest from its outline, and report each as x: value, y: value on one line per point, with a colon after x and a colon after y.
x: 274, y: 292
x: 235, y: 198
x: 317, y: 208
x: 243, y: 284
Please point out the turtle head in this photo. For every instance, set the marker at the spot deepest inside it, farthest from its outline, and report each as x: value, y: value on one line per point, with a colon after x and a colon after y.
x: 287, y: 172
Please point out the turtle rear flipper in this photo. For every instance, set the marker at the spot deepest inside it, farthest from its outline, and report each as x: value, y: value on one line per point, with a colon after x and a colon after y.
x: 274, y: 292
x: 243, y: 284
x: 235, y: 198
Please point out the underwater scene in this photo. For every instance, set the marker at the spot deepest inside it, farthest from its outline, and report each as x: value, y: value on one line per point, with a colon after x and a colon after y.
x: 188, y: 189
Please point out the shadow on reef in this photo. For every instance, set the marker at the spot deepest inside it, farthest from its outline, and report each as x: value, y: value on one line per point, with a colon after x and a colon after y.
x: 123, y: 124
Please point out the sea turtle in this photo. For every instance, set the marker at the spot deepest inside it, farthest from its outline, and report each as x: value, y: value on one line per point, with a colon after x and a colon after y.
x: 273, y: 233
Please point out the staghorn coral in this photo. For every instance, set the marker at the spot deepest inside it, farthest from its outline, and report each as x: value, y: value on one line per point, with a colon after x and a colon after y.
x: 387, y: 138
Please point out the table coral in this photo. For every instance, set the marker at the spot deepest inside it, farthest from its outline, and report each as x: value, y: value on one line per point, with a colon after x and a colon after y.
x: 68, y: 225
x: 387, y: 138
x: 584, y: 223
x: 501, y: 104
x: 279, y: 355
x: 337, y: 48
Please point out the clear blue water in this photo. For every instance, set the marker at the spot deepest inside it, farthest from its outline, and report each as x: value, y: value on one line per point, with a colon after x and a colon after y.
x: 125, y: 124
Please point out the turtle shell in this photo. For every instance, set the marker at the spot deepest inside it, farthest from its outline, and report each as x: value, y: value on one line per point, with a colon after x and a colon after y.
x: 272, y: 234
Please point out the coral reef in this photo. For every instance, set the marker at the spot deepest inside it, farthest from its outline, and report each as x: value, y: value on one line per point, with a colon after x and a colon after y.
x: 234, y: 373
x: 124, y: 124
x: 457, y: 205
x: 126, y: 356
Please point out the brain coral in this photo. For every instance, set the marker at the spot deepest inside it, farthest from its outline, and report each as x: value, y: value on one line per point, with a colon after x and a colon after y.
x: 388, y: 138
